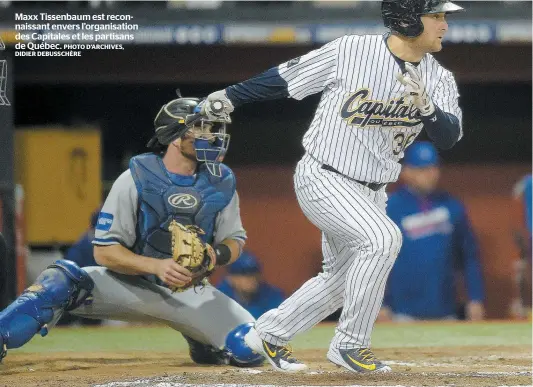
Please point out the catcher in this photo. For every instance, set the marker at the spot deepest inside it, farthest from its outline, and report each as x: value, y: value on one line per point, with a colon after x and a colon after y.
x: 167, y: 222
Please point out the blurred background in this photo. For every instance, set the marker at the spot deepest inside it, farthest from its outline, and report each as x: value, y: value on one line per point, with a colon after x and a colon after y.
x: 70, y: 124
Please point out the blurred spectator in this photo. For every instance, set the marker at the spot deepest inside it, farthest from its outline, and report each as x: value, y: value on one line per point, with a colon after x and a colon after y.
x: 245, y: 285
x: 81, y: 252
x: 522, y: 192
x: 437, y: 243
x: 521, y: 304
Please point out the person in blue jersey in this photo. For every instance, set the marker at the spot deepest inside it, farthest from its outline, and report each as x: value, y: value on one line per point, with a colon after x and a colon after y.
x: 522, y: 233
x: 181, y: 180
x: 438, y: 242
x: 81, y: 252
x: 244, y: 284
x: 522, y: 192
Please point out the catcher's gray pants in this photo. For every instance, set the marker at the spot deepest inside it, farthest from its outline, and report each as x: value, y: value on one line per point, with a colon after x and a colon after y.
x: 205, y: 314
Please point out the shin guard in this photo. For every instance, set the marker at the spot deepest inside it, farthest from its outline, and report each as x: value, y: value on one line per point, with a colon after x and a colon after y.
x: 62, y: 286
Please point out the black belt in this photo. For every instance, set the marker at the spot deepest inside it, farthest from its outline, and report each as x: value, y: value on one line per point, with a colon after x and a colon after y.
x: 372, y: 186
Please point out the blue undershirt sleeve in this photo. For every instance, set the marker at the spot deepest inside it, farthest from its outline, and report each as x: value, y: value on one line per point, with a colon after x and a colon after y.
x: 442, y: 128
x: 263, y: 87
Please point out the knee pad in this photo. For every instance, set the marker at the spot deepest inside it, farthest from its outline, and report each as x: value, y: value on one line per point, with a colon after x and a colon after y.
x: 241, y: 354
x: 62, y: 286
x: 81, y: 285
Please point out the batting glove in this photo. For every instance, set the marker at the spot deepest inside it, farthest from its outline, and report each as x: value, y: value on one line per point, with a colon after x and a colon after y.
x: 217, y: 106
x: 415, y: 90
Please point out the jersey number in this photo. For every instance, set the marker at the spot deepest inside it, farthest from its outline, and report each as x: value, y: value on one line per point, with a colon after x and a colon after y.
x: 401, y: 141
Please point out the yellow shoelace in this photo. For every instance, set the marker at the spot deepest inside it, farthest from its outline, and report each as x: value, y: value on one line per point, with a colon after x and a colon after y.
x: 286, y: 351
x: 366, y: 354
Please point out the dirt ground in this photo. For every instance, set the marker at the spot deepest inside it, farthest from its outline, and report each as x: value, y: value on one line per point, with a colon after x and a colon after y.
x: 469, y: 366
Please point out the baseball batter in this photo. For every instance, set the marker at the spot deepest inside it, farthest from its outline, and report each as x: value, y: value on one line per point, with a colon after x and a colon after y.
x: 378, y: 93
x: 181, y: 181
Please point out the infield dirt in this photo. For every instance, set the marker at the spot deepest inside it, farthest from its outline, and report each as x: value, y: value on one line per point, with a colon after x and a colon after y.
x: 468, y: 366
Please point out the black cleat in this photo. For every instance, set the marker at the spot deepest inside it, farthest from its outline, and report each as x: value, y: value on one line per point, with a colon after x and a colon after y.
x: 279, y: 356
x: 357, y: 360
x: 206, y: 354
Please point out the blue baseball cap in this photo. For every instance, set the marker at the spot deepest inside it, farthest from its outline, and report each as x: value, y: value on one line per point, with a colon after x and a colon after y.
x: 246, y: 264
x: 421, y: 154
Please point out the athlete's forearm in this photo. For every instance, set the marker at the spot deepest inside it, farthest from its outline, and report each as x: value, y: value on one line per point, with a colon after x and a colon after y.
x: 263, y: 87
x: 443, y: 128
x: 121, y: 260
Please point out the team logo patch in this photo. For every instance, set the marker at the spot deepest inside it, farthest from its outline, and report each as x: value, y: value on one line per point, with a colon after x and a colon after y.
x: 428, y: 223
x: 105, y: 220
x: 293, y: 62
x: 182, y: 200
x: 361, y: 110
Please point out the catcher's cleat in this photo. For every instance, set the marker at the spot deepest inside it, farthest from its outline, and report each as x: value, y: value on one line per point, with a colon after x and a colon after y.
x: 279, y: 356
x: 357, y: 360
x: 206, y: 354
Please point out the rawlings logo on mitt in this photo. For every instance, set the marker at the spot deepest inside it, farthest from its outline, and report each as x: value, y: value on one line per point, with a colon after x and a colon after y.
x: 189, y: 251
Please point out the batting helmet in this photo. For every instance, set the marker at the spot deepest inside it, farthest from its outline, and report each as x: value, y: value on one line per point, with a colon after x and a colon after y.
x: 403, y: 16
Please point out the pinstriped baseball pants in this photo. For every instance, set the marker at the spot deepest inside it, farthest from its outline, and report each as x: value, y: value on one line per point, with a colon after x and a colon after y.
x: 359, y: 243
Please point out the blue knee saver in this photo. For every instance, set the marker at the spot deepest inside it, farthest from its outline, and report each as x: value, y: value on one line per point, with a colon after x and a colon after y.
x: 61, y: 286
x: 239, y: 351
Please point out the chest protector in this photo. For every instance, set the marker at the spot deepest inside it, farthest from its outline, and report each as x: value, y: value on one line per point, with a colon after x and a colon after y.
x: 164, y: 197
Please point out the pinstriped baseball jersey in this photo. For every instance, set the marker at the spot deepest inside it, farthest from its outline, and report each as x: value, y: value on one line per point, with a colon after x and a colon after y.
x: 363, y: 124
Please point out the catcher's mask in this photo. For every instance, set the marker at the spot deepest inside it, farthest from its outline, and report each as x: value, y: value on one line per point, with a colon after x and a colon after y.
x: 211, y: 142
x: 403, y: 16
x: 210, y: 138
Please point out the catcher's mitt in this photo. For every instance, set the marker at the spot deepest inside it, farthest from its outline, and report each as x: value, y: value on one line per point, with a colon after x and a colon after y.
x: 190, y: 252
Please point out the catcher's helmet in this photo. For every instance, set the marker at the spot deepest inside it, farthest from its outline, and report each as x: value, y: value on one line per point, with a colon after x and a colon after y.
x: 210, y: 141
x: 403, y: 16
x: 170, y: 121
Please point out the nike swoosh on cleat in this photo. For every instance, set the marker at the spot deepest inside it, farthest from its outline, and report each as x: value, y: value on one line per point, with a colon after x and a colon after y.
x: 368, y: 367
x: 270, y: 353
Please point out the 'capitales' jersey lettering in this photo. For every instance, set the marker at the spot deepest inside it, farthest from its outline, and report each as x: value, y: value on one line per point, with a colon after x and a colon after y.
x: 361, y: 111
x: 362, y: 125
